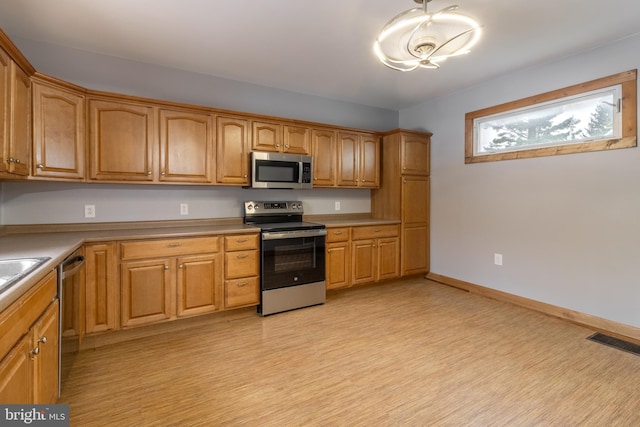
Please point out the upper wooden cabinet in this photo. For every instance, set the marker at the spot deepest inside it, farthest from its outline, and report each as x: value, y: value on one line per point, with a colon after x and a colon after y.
x: 58, y: 132
x: 121, y: 141
x: 323, y: 146
x: 279, y: 138
x: 414, y: 154
x: 186, y: 146
x: 15, y: 119
x: 232, y: 149
x: 358, y: 160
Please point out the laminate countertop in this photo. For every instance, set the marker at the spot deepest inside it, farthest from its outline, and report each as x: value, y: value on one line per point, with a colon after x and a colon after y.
x: 58, y: 242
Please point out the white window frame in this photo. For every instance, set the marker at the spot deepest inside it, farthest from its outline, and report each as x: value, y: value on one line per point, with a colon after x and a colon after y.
x: 623, y: 88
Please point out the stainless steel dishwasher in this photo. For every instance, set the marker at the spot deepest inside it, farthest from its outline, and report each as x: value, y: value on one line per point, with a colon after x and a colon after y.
x: 70, y: 293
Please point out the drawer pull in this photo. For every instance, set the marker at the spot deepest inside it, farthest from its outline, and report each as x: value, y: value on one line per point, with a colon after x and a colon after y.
x: 377, y: 230
x: 241, y: 284
x: 242, y: 240
x: 337, y: 233
x: 242, y: 256
x: 173, y: 245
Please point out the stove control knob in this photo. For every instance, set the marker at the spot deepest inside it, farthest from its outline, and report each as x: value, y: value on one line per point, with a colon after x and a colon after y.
x: 256, y: 207
x: 249, y: 207
x: 294, y: 206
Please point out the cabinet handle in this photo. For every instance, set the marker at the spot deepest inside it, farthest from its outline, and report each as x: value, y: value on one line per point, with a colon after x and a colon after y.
x: 241, y: 240
x: 242, y: 256
x: 241, y: 284
x: 17, y: 160
x: 162, y: 173
x: 11, y: 160
x: 43, y: 340
x: 166, y: 267
x: 337, y: 233
x: 328, y: 250
x: 244, y: 176
x: 40, y: 166
x: 277, y: 145
x: 180, y: 266
x: 33, y: 353
x: 404, y: 181
x: 286, y: 146
x: 148, y: 172
x: 173, y: 245
x: 377, y: 230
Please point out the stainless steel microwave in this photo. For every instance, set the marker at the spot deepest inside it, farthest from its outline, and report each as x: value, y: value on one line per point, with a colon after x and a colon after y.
x: 277, y: 170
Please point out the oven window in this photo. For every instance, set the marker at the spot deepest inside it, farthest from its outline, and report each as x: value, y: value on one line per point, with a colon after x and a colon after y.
x: 294, y: 257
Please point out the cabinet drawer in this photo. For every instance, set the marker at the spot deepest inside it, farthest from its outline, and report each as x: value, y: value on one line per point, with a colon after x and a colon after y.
x: 169, y: 247
x: 241, y: 242
x: 241, y: 292
x: 241, y: 264
x: 374, y: 231
x: 338, y: 234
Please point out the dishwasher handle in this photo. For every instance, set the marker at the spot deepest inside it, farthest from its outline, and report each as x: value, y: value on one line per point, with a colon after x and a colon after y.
x: 77, y: 260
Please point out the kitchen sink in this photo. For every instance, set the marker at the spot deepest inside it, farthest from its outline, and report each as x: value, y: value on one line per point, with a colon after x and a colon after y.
x: 12, y: 270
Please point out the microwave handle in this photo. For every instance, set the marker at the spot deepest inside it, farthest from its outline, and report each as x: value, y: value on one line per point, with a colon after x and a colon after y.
x: 300, y: 171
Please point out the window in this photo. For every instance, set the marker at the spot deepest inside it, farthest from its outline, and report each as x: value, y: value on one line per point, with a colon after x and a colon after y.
x: 597, y: 115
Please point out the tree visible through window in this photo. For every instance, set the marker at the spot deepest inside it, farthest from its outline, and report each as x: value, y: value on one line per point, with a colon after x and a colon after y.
x: 597, y: 115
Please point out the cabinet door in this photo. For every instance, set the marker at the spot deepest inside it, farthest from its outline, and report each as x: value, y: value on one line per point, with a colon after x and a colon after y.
x: 338, y: 271
x: 363, y: 261
x: 266, y: 136
x: 414, y: 154
x: 388, y: 258
x: 58, y: 133
x: 147, y: 291
x: 45, y: 340
x: 73, y: 304
x: 323, y: 144
x: 186, y: 144
x: 16, y: 374
x: 232, y: 151
x: 5, y: 88
x: 121, y: 142
x: 415, y: 200
x: 415, y: 250
x: 198, y: 284
x: 369, y: 173
x: 19, y: 121
x: 101, y: 288
x: 296, y: 140
x: 348, y: 156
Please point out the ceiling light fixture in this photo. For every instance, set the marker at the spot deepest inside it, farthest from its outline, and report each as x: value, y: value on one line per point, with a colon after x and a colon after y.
x: 416, y: 38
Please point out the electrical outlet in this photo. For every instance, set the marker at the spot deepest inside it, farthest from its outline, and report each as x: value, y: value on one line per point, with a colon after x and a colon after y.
x: 184, y: 209
x: 497, y: 259
x: 337, y: 206
x: 89, y: 211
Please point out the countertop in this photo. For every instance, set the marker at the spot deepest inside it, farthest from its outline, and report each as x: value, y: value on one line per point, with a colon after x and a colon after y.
x: 43, y: 241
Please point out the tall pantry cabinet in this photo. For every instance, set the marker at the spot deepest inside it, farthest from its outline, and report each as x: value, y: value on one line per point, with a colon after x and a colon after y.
x: 404, y: 195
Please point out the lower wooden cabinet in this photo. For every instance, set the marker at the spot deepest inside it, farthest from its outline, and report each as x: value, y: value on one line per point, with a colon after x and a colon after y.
x: 241, y: 271
x: 198, y: 284
x: 29, y: 371
x: 102, y: 306
x: 338, y: 258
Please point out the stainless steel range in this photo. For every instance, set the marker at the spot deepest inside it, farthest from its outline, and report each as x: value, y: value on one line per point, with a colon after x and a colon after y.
x: 292, y: 256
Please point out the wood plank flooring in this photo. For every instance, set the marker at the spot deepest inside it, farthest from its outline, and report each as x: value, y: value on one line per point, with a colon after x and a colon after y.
x: 411, y: 353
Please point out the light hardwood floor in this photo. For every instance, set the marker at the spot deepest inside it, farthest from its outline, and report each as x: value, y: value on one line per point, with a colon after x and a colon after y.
x: 411, y: 353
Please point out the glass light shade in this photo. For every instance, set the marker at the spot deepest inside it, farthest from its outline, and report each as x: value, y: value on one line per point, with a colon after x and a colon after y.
x: 416, y: 38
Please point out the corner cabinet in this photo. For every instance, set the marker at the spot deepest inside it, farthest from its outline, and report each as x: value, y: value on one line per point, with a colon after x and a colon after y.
x: 15, y: 119
x: 404, y: 194
x: 58, y: 132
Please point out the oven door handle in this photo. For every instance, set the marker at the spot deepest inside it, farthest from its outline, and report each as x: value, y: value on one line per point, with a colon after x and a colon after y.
x: 275, y: 235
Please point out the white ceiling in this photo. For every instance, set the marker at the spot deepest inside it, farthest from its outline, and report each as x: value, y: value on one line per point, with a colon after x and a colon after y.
x: 319, y: 47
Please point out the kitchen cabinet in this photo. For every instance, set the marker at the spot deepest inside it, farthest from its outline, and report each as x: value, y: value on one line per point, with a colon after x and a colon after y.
x: 161, y: 279
x: 15, y: 119
x: 323, y: 146
x: 279, y: 138
x: 358, y: 160
x: 121, y: 140
x: 375, y: 253
x: 186, y: 146
x: 29, y: 348
x: 338, y: 258
x: 58, y: 131
x: 101, y: 288
x: 241, y: 270
x: 232, y: 149
x: 404, y: 194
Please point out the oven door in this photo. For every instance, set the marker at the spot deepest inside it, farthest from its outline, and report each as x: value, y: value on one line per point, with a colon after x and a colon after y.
x: 291, y: 258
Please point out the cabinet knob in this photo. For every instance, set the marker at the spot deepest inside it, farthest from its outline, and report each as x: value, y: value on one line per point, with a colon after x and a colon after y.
x: 286, y: 146
x: 166, y: 267
x: 328, y: 250
x: 277, y: 145
x: 43, y: 339
x: 40, y: 166
x: 404, y: 181
x: 180, y: 266
x: 162, y: 173
x: 11, y: 160
x: 17, y: 160
x: 244, y: 176
x: 34, y: 352
x: 148, y: 172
